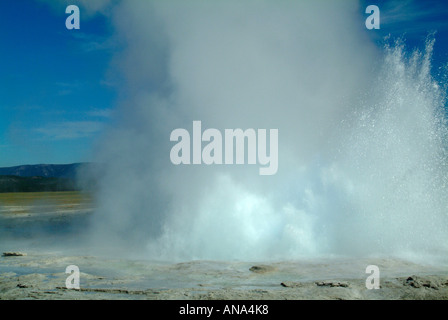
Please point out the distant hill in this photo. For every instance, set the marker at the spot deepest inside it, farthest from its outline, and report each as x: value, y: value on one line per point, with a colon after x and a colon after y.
x: 48, y: 177
x: 43, y: 170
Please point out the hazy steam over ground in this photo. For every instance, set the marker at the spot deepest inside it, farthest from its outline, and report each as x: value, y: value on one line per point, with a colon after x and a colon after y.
x: 362, y: 161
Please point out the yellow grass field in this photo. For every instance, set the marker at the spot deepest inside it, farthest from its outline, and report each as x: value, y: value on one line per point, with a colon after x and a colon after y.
x: 26, y: 202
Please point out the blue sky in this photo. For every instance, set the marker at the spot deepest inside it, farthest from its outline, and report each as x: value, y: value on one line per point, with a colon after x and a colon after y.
x: 57, y: 86
x: 413, y: 20
x: 54, y: 90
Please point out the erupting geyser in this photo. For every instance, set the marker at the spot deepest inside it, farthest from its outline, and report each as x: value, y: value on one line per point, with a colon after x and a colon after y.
x: 362, y: 155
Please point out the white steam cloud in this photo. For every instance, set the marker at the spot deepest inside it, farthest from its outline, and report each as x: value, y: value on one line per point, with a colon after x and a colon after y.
x: 361, y: 158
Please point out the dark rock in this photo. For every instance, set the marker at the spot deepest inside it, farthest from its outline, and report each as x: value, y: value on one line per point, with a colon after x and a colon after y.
x: 13, y: 254
x: 290, y: 284
x: 262, y: 269
x: 425, y: 282
x: 332, y: 283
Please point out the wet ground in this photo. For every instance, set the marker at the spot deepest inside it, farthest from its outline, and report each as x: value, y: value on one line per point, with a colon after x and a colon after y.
x: 42, y: 276
x: 46, y: 235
